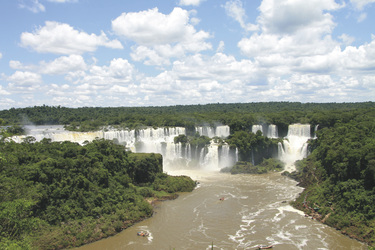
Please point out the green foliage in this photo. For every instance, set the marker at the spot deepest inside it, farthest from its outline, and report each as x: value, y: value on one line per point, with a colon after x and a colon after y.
x: 253, y: 147
x: 239, y: 116
x: 172, y: 184
x: 92, y: 189
x: 242, y: 167
x: 338, y: 176
x: 54, y: 192
x: 145, y: 167
x: 181, y: 139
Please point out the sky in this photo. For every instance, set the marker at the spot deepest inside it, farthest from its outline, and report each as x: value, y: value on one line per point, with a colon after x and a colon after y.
x: 91, y: 53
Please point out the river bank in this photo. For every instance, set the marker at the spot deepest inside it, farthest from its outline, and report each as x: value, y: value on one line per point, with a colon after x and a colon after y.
x: 74, y: 234
x: 255, y: 211
x: 322, y: 208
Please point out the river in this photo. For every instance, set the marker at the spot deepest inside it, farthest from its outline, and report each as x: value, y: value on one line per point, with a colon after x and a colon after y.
x: 254, y: 212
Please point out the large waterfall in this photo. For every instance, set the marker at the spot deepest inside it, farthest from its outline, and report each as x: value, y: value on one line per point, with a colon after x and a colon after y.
x: 177, y: 155
x: 152, y: 140
x: 294, y: 146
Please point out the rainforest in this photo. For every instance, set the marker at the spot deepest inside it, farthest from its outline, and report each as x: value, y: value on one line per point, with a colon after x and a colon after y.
x: 63, y: 194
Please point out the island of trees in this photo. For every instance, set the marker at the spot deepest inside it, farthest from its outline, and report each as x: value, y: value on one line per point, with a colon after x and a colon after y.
x: 75, y: 194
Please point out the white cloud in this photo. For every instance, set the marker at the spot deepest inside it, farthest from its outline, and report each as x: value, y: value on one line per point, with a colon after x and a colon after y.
x: 3, y: 91
x: 61, y: 38
x: 160, y: 37
x: 360, y: 4
x: 235, y: 10
x: 361, y: 59
x: 120, y: 71
x: 1, y: 55
x: 149, y: 56
x: 288, y: 17
x: 151, y: 27
x: 203, y: 79
x: 362, y: 17
x: 221, y: 47
x: 346, y: 39
x: 24, y: 78
x: 62, y: 1
x: 61, y: 65
x: 32, y: 5
x: 190, y: 2
x: 296, y: 36
x: 24, y: 81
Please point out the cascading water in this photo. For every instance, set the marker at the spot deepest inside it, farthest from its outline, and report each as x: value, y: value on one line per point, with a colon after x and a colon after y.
x: 150, y: 140
x: 219, y: 131
x: 256, y: 128
x: 272, y: 131
x: 161, y: 140
x: 294, y: 146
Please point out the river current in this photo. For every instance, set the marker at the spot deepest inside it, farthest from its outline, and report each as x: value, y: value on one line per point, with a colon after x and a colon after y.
x: 230, y: 212
x: 225, y: 211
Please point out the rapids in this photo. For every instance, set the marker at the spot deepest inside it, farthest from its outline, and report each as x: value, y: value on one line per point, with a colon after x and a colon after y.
x: 254, y: 212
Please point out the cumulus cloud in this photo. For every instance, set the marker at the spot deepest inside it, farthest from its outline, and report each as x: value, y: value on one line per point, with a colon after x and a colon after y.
x: 235, y: 10
x: 190, y: 2
x: 24, y: 78
x: 3, y: 91
x: 295, y: 36
x: 1, y: 55
x: 119, y: 71
x: 61, y: 38
x: 289, y: 17
x: 346, y: 39
x: 360, y: 58
x: 61, y: 65
x: 151, y: 27
x: 360, y: 4
x: 24, y: 81
x: 32, y: 5
x: 159, y: 36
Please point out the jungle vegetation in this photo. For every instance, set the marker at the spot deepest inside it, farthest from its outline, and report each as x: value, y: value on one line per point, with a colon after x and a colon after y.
x: 338, y: 175
x: 57, y: 195
x: 239, y: 116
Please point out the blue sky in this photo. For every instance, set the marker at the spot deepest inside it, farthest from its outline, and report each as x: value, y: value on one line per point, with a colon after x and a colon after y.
x: 78, y: 53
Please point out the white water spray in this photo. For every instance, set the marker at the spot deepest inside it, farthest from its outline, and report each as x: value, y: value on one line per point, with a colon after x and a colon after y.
x: 294, y: 146
x: 150, y: 140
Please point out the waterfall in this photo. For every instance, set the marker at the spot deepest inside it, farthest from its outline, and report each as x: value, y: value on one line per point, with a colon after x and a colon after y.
x: 316, y: 129
x: 294, y: 146
x: 272, y: 131
x: 256, y: 128
x: 222, y: 131
x: 218, y: 131
x: 161, y: 140
x: 152, y: 140
x: 210, y: 160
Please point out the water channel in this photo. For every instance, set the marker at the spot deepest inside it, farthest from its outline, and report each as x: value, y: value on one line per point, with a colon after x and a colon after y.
x: 255, y: 211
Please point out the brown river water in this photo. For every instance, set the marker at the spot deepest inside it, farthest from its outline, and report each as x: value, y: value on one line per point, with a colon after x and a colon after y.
x: 254, y: 212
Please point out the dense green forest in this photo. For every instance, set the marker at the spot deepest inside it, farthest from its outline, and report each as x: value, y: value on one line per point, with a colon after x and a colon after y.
x: 338, y: 175
x: 239, y: 116
x: 56, y: 195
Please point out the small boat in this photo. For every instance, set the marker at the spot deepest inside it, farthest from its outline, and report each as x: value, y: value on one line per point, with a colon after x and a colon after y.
x: 144, y: 234
x: 222, y: 198
x: 265, y: 247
